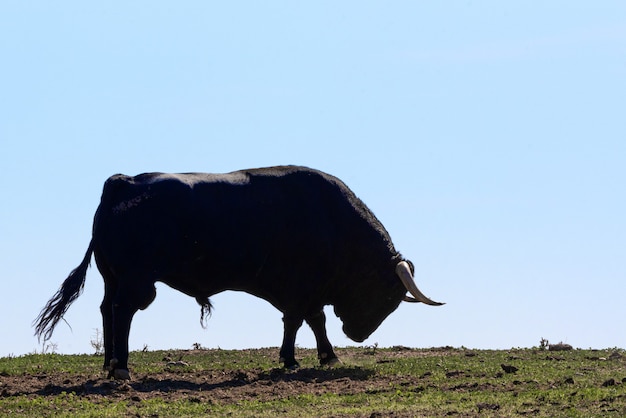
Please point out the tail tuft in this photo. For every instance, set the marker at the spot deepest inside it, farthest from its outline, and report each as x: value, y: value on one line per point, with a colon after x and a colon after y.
x: 205, y: 310
x: 56, y: 307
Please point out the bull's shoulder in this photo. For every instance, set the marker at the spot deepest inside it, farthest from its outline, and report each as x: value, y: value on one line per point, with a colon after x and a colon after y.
x: 292, y: 173
x: 277, y: 171
x: 283, y: 171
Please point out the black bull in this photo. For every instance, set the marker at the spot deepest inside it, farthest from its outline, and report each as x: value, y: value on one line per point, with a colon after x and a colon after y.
x: 296, y: 237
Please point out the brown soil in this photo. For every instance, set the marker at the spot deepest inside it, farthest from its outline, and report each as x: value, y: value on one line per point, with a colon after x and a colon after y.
x: 224, y: 387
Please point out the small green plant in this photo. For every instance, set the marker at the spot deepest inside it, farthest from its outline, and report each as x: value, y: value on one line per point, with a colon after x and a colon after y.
x: 371, y: 349
x: 49, y: 348
x: 97, y: 342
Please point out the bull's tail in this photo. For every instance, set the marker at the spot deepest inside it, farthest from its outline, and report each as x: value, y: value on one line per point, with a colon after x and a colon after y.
x: 57, y: 306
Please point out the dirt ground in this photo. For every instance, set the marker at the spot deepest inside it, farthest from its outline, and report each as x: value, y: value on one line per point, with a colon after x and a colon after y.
x: 228, y: 386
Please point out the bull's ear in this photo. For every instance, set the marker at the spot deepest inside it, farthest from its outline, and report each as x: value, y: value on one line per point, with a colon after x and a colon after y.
x: 412, y: 267
x: 410, y: 299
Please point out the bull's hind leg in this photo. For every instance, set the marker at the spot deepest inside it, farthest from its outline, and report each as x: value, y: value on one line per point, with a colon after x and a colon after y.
x: 107, y: 324
x: 325, y: 351
x: 288, y: 349
x: 127, y: 301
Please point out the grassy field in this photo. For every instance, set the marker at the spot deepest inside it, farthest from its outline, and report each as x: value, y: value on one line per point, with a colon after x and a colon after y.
x: 372, y: 382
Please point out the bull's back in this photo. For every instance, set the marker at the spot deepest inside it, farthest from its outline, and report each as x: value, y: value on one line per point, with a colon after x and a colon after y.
x: 244, y: 217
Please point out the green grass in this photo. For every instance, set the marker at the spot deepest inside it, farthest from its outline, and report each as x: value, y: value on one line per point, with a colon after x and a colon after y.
x: 371, y: 382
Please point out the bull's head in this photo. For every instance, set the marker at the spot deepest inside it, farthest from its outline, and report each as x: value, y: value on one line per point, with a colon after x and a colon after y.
x: 373, y: 298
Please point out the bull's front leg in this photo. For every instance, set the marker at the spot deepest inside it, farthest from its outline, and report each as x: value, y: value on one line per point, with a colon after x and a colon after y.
x: 288, y: 348
x: 325, y: 351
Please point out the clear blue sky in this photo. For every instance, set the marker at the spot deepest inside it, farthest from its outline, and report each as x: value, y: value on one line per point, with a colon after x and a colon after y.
x: 488, y: 137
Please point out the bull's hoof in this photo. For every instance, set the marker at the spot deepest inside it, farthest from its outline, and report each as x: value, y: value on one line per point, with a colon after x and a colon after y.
x: 331, y: 362
x: 327, y: 359
x: 290, y: 365
x: 121, y: 374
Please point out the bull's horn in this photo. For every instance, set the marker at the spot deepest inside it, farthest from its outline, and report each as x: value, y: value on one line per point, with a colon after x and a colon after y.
x: 404, y: 273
